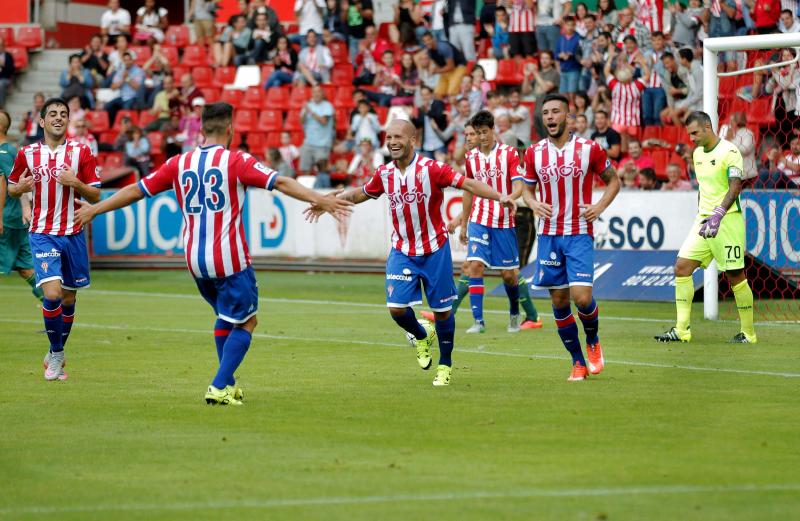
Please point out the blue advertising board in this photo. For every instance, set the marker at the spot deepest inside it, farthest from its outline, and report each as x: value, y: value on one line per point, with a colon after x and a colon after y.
x: 152, y: 226
x: 626, y: 275
x: 773, y: 227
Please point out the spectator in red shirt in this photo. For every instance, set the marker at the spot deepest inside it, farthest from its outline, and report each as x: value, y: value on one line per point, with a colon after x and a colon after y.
x: 635, y: 156
x: 765, y: 15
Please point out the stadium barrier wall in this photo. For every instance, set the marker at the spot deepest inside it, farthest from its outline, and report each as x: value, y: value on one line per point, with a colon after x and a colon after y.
x: 636, y: 221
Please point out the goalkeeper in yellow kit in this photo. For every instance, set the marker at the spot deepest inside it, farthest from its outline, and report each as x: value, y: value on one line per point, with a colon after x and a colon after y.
x: 718, y: 231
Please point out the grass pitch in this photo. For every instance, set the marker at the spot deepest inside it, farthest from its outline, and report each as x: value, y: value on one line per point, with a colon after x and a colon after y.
x: 340, y: 423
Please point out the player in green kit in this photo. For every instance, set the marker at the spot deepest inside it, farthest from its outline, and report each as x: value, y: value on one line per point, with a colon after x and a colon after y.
x: 718, y: 231
x: 15, y: 250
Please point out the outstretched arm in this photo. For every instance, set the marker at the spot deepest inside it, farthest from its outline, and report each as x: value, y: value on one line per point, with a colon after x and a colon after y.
x: 487, y: 192
x: 591, y: 212
x: 349, y: 198
x: 125, y: 197
x: 321, y: 202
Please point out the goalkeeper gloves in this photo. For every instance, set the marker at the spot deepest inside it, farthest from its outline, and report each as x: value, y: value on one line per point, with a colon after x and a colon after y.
x: 709, y: 227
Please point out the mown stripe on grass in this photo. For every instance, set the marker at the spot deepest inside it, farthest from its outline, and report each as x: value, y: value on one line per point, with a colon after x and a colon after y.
x: 308, y: 302
x: 406, y: 498
x: 348, y: 341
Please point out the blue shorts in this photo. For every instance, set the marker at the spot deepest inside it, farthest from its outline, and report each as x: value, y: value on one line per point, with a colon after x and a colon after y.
x: 404, y: 274
x: 234, y: 298
x: 61, y: 257
x: 495, y: 247
x: 563, y: 261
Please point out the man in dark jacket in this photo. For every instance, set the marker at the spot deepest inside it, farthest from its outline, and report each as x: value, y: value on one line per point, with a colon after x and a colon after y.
x: 6, y: 72
x: 432, y: 120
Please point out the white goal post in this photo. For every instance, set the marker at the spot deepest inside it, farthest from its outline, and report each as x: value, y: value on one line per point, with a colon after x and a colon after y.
x: 711, y: 48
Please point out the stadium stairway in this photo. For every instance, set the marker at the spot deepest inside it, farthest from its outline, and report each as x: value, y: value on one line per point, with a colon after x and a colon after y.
x: 42, y: 75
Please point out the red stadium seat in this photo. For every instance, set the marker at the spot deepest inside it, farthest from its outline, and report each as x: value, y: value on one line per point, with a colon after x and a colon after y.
x: 236, y: 142
x: 114, y: 160
x: 382, y: 113
x: 507, y: 73
x: 761, y: 112
x: 194, y: 56
x: 670, y: 134
x: 342, y: 75
x: 342, y: 119
x: 203, y: 77
x: 156, y: 142
x: 20, y: 57
x: 270, y: 121
x: 277, y: 98
x: 232, y: 96
x: 343, y: 99
x: 293, y: 123
x: 273, y: 140
x: 727, y: 87
x: 179, y: 71
x: 224, y: 76
x: 171, y: 54
x: 211, y: 94
x: 7, y: 34
x: 146, y: 117
x: 29, y: 37
x: 298, y: 97
x: 245, y: 121
x: 253, y: 98
x: 297, y: 138
x: 661, y: 158
x: 134, y: 115
x: 142, y: 53
x: 108, y: 137
x: 266, y: 71
x: 257, y: 142
x: 651, y: 132
x: 177, y: 36
x: 98, y: 121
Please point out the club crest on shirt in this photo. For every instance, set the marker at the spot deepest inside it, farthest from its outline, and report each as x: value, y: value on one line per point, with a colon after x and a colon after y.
x: 474, y: 248
x: 390, y: 289
x: 567, y: 170
x: 45, y: 265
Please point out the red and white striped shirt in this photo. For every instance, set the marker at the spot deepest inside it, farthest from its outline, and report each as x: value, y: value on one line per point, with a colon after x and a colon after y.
x: 54, y: 206
x: 790, y: 174
x: 654, y: 59
x: 565, y: 177
x: 521, y: 18
x: 210, y: 183
x: 650, y: 13
x: 415, y: 201
x: 626, y: 101
x: 497, y: 170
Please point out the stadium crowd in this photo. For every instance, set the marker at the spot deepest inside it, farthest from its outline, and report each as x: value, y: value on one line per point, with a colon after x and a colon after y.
x: 333, y: 79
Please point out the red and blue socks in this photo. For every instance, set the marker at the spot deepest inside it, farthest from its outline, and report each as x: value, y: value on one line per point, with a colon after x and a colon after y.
x: 53, y: 324
x: 446, y: 331
x: 222, y: 329
x: 409, y: 322
x: 476, y: 297
x: 513, y: 298
x: 67, y: 317
x: 568, y: 331
x: 233, y: 352
x: 463, y: 288
x: 591, y: 321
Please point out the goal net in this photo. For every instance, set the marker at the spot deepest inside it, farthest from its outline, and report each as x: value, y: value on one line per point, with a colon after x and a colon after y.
x: 755, y: 104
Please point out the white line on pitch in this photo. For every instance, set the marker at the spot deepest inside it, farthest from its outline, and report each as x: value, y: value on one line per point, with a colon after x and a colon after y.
x: 79, y: 325
x: 406, y: 498
x: 774, y: 323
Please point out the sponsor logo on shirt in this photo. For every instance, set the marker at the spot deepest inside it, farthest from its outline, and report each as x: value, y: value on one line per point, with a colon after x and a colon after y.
x: 80, y: 280
x: 479, y: 241
x: 552, y: 261
x: 45, y: 173
x: 485, y: 175
x: 394, y: 276
x: 398, y: 199
x: 567, y: 170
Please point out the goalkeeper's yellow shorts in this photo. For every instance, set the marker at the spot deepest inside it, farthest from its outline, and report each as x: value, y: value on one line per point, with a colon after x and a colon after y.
x: 728, y: 247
